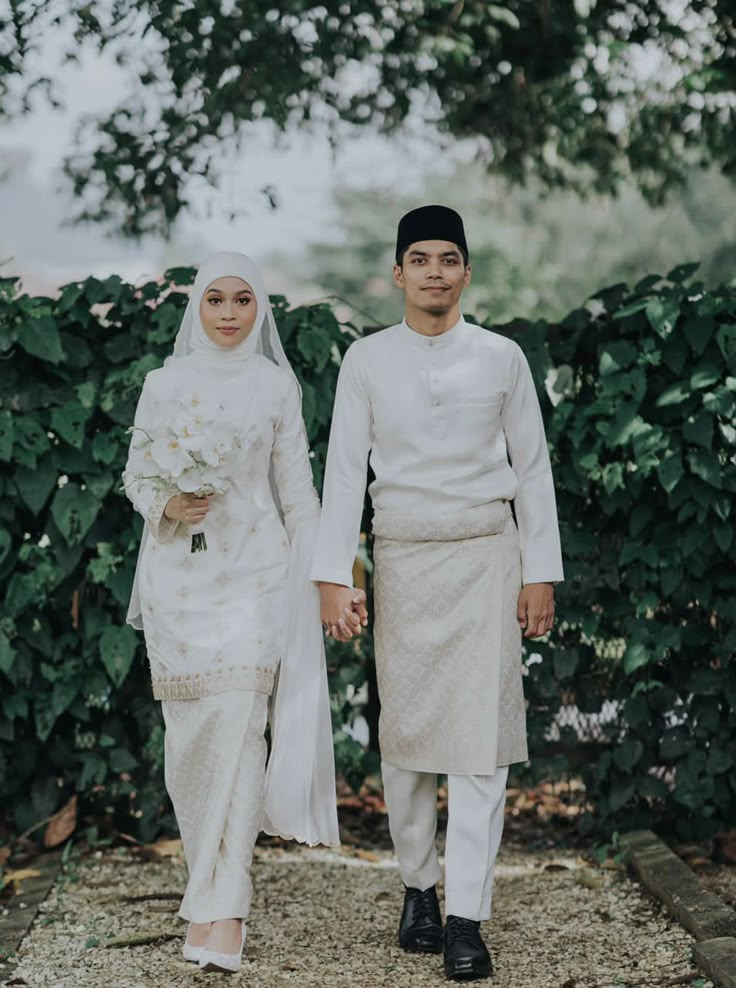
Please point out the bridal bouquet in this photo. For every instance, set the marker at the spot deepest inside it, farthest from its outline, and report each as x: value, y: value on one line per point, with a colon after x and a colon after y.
x: 191, y: 453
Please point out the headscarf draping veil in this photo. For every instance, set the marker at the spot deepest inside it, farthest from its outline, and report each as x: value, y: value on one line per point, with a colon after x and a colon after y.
x: 299, y: 799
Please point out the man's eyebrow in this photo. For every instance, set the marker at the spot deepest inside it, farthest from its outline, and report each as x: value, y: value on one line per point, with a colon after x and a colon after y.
x: 453, y: 252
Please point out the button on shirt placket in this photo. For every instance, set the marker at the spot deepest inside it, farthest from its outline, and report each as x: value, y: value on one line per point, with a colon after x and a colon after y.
x: 438, y: 423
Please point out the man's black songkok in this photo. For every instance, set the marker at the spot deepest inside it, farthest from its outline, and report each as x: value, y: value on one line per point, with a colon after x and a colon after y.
x: 430, y: 223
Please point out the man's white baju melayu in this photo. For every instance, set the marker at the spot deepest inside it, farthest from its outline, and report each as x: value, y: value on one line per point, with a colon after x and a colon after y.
x: 439, y: 419
x: 224, y: 625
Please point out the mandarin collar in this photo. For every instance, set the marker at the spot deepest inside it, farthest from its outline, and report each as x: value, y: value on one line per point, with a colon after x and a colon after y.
x: 445, y: 339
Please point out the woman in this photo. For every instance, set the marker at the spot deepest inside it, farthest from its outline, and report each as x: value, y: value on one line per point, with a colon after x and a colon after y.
x: 221, y: 624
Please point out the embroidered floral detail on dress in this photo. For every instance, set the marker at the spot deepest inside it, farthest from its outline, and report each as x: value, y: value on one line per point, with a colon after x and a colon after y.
x: 162, y: 528
x: 191, y: 686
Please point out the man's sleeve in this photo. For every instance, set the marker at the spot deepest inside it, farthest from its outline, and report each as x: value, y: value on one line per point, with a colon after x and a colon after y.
x: 345, y: 477
x: 534, y: 503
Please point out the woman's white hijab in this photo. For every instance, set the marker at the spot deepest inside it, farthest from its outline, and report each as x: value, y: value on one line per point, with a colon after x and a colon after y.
x: 192, y: 341
x: 299, y: 799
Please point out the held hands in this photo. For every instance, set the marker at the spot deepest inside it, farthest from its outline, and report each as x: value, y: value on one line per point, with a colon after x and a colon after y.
x: 187, y: 508
x: 536, y: 609
x: 343, y: 611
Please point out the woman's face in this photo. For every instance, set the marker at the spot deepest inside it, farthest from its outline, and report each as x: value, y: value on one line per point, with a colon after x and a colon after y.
x: 228, y: 311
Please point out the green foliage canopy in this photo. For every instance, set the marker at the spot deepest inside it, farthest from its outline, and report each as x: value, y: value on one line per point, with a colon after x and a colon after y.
x: 580, y: 93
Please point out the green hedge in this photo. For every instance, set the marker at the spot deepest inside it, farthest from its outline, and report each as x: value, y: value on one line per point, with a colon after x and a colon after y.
x: 75, y: 702
x: 642, y: 438
x: 642, y: 433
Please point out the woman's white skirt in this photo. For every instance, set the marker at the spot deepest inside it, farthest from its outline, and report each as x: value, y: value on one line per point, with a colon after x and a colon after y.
x: 215, y: 757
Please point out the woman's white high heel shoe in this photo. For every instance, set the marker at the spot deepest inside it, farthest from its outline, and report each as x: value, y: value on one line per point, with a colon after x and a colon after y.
x: 189, y: 952
x: 212, y: 960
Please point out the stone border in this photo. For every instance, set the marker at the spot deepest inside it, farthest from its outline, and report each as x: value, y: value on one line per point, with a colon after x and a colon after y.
x: 710, y: 921
x: 18, y: 915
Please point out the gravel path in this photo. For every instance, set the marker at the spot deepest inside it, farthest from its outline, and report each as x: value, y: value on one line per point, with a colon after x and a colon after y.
x: 327, y: 920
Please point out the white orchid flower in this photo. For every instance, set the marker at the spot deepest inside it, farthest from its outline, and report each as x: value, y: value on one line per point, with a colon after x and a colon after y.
x: 202, y: 480
x: 170, y: 456
x: 217, y: 444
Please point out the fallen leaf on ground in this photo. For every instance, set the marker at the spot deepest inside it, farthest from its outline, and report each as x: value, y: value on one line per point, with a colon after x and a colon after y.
x: 62, y: 825
x: 162, y: 849
x: 152, y: 897
x: 610, y: 864
x: 590, y: 880
x: 129, y: 839
x: 367, y: 855
x: 142, y: 938
x: 21, y: 874
x: 556, y: 867
x: 725, y: 843
x: 350, y: 802
x: 700, y: 862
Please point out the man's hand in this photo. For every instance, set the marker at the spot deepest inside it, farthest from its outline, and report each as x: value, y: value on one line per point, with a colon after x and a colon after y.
x: 536, y: 609
x: 343, y: 610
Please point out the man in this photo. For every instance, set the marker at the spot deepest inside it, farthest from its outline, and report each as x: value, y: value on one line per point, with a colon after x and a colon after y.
x: 448, y: 414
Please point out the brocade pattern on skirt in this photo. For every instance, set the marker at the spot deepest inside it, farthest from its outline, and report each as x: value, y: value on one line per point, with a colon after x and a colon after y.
x: 448, y: 642
x: 215, y: 758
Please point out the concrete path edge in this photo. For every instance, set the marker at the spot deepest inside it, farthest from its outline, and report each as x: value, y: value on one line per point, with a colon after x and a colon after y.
x: 19, y: 913
x: 704, y: 915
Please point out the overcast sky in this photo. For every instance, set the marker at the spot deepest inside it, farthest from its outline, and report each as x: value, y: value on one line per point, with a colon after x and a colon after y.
x: 303, y: 170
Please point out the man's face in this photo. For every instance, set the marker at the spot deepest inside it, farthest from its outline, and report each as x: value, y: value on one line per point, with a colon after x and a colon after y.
x: 433, y: 275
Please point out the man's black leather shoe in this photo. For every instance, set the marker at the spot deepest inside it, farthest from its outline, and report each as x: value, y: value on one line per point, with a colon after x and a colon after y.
x: 466, y: 956
x: 420, y: 930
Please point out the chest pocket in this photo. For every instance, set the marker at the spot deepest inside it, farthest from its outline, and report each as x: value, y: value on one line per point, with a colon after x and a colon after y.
x: 489, y: 399
x: 477, y: 417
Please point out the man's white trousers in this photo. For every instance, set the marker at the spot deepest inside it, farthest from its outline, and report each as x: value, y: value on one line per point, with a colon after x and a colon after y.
x: 475, y: 815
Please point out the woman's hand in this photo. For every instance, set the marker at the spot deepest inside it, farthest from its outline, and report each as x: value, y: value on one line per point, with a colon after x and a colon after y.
x: 343, y: 610
x: 187, y: 508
